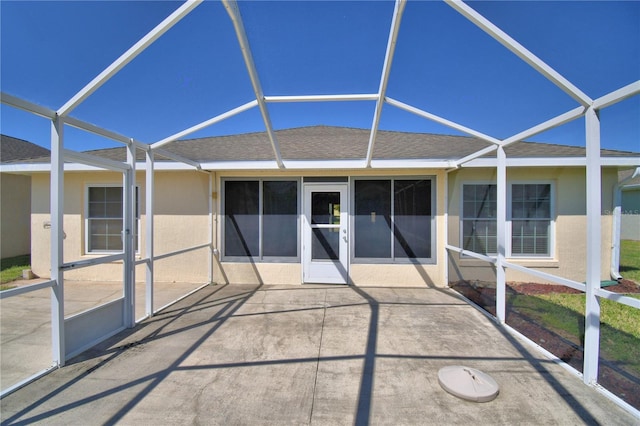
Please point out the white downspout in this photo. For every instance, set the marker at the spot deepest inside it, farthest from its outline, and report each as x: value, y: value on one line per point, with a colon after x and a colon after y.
x: 617, y: 212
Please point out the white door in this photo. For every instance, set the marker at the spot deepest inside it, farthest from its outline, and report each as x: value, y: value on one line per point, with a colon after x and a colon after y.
x: 325, y: 235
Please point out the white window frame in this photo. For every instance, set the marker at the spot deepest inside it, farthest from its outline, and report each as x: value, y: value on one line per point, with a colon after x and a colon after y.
x: 261, y: 258
x: 508, y: 235
x: 87, y: 218
x: 394, y: 260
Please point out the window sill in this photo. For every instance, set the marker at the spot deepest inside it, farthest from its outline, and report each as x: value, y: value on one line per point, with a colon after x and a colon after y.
x: 526, y: 262
x: 534, y: 263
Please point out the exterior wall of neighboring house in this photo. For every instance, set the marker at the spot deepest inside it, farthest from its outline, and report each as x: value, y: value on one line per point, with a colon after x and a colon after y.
x: 181, y: 221
x: 569, y: 223
x: 630, y: 219
x: 15, y: 205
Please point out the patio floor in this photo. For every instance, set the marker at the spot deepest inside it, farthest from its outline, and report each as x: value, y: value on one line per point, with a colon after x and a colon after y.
x: 244, y: 354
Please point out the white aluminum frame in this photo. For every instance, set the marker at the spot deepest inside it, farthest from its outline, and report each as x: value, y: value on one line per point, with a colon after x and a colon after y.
x: 398, y: 10
x: 234, y: 13
x: 592, y: 161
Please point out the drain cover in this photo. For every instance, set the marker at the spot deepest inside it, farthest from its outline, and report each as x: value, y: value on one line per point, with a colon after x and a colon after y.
x: 468, y: 383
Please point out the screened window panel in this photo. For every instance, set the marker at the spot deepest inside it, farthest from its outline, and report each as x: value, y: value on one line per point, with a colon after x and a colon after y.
x: 280, y: 218
x: 530, y: 237
x: 242, y: 218
x: 480, y: 236
x: 104, y: 219
x: 372, y: 220
x: 479, y: 201
x: 531, y: 219
x: 479, y: 226
x: 325, y: 244
x: 412, y: 219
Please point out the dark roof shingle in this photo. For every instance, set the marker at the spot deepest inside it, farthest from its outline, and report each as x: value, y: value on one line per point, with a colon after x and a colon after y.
x: 14, y: 150
x: 344, y: 143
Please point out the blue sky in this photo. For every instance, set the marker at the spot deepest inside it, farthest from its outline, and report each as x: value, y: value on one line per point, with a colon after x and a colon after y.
x: 443, y: 64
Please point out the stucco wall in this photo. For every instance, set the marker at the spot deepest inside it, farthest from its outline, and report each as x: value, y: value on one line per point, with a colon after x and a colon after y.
x: 570, y: 251
x: 181, y: 221
x: 630, y: 220
x: 15, y: 205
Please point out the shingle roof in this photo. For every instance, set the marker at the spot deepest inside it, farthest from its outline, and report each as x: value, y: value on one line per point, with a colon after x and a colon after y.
x: 330, y: 143
x: 14, y: 149
x: 625, y: 174
x: 343, y: 143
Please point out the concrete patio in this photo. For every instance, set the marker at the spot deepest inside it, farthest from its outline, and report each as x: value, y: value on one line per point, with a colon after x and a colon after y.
x: 244, y: 354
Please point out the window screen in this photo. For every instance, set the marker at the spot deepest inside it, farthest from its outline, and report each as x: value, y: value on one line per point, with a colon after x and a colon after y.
x: 393, y: 218
x: 479, y: 226
x: 530, y: 219
x: 104, y: 219
x: 261, y: 218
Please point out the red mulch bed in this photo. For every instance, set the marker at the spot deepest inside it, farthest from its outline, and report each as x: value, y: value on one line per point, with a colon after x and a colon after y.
x: 568, y: 348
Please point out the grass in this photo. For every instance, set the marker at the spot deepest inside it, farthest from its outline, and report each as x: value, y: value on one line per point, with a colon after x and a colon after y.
x: 564, y: 314
x: 630, y: 260
x: 11, y: 269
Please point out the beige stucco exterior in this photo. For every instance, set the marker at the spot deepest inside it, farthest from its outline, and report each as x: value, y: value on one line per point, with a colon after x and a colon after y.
x: 15, y: 205
x: 182, y: 220
x: 569, y: 255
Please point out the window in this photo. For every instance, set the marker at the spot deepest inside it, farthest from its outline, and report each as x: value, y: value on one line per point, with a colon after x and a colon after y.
x: 393, y: 219
x: 479, y: 227
x: 104, y: 219
x: 528, y: 213
x: 261, y: 219
x: 530, y: 219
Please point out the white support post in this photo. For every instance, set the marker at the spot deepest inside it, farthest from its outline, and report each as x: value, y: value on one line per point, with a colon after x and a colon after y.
x: 149, y: 229
x: 234, y: 13
x: 57, y: 242
x: 445, y: 218
x: 128, y: 234
x: 386, y: 71
x: 594, y: 206
x: 501, y: 219
x: 211, y: 247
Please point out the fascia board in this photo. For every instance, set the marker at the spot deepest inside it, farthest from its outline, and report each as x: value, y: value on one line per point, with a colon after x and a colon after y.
x: 413, y: 164
x: 341, y: 164
x: 327, y: 164
x: 553, y: 162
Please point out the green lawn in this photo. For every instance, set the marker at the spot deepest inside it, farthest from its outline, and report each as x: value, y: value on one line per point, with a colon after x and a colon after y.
x: 11, y: 269
x: 564, y: 314
x: 630, y: 260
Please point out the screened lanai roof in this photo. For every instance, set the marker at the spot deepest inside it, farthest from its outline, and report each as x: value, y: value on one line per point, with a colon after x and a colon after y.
x: 412, y: 67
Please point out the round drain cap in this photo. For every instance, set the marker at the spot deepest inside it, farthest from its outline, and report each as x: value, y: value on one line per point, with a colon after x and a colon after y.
x: 468, y: 383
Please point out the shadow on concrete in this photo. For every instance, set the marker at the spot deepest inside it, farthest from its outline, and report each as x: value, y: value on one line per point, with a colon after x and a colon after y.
x: 227, y: 306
